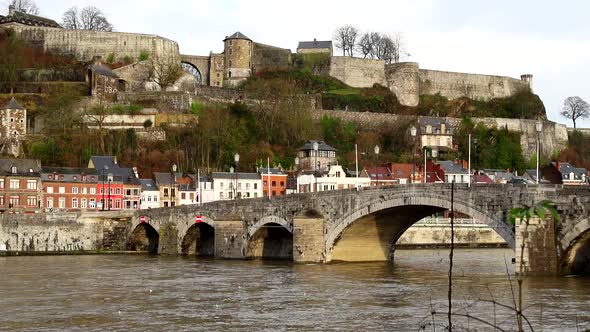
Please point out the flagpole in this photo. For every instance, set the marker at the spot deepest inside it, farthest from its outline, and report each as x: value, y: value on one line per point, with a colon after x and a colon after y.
x: 268, y: 168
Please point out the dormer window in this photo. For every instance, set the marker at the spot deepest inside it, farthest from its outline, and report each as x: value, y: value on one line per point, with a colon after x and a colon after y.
x: 30, y: 170
x: 571, y: 175
x: 50, y: 177
x: 13, y: 169
x: 428, y: 129
x: 75, y: 178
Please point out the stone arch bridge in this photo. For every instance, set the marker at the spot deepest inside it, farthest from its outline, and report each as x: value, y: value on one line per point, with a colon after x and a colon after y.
x: 364, y: 225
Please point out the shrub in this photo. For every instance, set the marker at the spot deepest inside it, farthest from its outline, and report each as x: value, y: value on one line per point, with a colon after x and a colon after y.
x: 144, y: 55
x: 111, y: 58
x: 128, y: 59
x: 147, y: 123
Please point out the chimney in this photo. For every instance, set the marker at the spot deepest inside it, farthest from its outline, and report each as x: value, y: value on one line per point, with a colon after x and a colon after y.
x: 97, y: 60
x: 135, y: 172
x: 11, y: 10
x: 558, y: 165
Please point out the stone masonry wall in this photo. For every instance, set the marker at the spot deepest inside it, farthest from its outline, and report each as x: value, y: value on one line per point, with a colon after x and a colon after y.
x: 455, y: 85
x: 356, y: 72
x: 553, y: 137
x: 266, y: 56
x: 85, y: 44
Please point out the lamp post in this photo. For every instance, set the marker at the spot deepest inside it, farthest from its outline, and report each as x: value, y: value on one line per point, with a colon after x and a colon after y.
x: 109, y: 193
x: 297, y: 174
x: 104, y: 169
x: 237, y: 160
x: 173, y: 189
x: 539, y: 127
x: 425, y: 151
x: 413, y: 133
x: 376, y: 149
x: 469, y: 162
x: 316, y: 146
x: 476, y: 156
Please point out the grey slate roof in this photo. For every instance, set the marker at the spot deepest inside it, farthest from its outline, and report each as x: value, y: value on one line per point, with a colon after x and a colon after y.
x: 100, y: 162
x: 24, y: 167
x: 322, y: 146
x: 13, y: 105
x: 451, y: 167
x: 315, y: 44
x: 69, y: 173
x: 229, y: 175
x: 102, y: 70
x: 567, y: 168
x: 148, y: 185
x: 237, y: 35
x: 28, y: 19
x: 432, y: 121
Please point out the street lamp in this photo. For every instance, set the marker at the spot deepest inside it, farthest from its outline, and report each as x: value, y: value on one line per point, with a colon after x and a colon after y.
x: 413, y: 133
x: 539, y: 127
x: 297, y: 174
x: 109, y: 194
x: 376, y: 149
x: 237, y: 160
x: 173, y: 188
x: 316, y: 146
x: 104, y: 170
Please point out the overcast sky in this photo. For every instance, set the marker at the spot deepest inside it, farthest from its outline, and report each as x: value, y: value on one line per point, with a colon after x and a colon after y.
x: 549, y: 39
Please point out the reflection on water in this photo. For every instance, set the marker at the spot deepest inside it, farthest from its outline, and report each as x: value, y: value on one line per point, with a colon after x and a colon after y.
x: 138, y: 293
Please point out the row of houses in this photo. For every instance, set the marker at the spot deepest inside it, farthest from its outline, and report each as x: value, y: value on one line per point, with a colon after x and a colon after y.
x: 27, y: 187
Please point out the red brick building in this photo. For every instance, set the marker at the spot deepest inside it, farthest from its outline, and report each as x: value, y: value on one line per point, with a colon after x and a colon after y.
x: 69, y: 188
x: 277, y: 180
x: 20, y: 185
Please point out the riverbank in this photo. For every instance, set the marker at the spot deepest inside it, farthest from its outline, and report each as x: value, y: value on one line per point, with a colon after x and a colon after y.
x: 12, y: 253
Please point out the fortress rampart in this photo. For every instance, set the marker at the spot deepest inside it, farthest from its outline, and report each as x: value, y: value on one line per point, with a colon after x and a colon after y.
x: 85, y: 44
x: 408, y: 81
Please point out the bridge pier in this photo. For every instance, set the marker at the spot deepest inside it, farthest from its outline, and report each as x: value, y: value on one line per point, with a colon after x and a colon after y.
x: 168, y: 243
x: 308, y: 240
x: 230, y: 239
x: 540, y: 253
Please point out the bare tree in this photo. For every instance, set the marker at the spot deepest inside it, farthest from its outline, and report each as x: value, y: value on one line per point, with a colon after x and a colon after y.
x: 365, y: 45
x: 25, y: 6
x: 89, y: 18
x: 575, y: 108
x: 163, y: 71
x: 345, y: 37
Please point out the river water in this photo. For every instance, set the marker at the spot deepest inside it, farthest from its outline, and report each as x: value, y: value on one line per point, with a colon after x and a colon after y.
x: 158, y: 293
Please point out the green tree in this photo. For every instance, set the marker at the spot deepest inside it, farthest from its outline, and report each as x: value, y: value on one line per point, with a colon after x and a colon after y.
x: 11, y: 58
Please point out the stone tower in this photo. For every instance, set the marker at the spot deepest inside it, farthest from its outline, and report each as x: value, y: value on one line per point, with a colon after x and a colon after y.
x: 13, y: 127
x: 528, y: 78
x: 237, y: 58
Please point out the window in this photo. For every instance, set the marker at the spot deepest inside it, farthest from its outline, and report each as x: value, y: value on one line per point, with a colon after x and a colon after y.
x: 274, y: 193
x: 155, y: 198
x: 255, y: 195
x: 32, y: 184
x: 165, y: 192
x: 172, y: 203
x: 2, y: 184
x: 49, y: 202
x: 173, y: 192
x: 92, y: 190
x: 62, y: 190
x: 248, y: 195
x: 74, y: 190
x: 118, y: 191
x: 239, y: 185
x: 14, y: 184
x: 32, y: 201
x: 128, y: 192
x: 149, y: 198
x: 274, y: 183
x: 165, y: 204
x: 135, y: 192
x: 221, y: 185
x: 220, y: 195
x: 13, y: 169
x: 74, y: 203
x: 182, y: 195
x: 92, y: 203
x: 247, y: 185
x: 256, y: 186
x: 75, y: 178
x: 117, y: 204
x: 14, y: 201
x: 84, y: 190
x: 2, y: 200
x: 282, y: 183
x: 61, y: 203
x: 83, y: 203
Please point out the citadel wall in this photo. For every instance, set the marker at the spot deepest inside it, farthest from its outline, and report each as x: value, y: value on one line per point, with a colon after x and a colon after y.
x: 85, y: 44
x: 475, y: 86
x: 266, y: 56
x: 357, y: 72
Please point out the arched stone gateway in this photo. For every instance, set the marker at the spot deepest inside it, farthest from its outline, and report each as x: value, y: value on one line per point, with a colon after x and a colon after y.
x: 575, y: 248
x: 199, y: 240
x: 193, y: 70
x: 370, y: 231
x: 144, y: 238
x: 271, y: 241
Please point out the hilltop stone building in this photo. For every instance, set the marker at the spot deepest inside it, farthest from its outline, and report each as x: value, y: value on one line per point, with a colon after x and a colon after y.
x: 315, y: 46
x: 13, y: 127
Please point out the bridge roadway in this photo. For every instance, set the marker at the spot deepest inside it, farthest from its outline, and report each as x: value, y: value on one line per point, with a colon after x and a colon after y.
x: 360, y: 225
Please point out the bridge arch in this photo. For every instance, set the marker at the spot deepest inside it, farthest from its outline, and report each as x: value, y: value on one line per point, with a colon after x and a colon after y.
x: 144, y: 237
x: 252, y: 229
x: 199, y: 240
x: 399, y: 202
x: 270, y: 238
x: 193, y: 70
x: 574, y: 246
